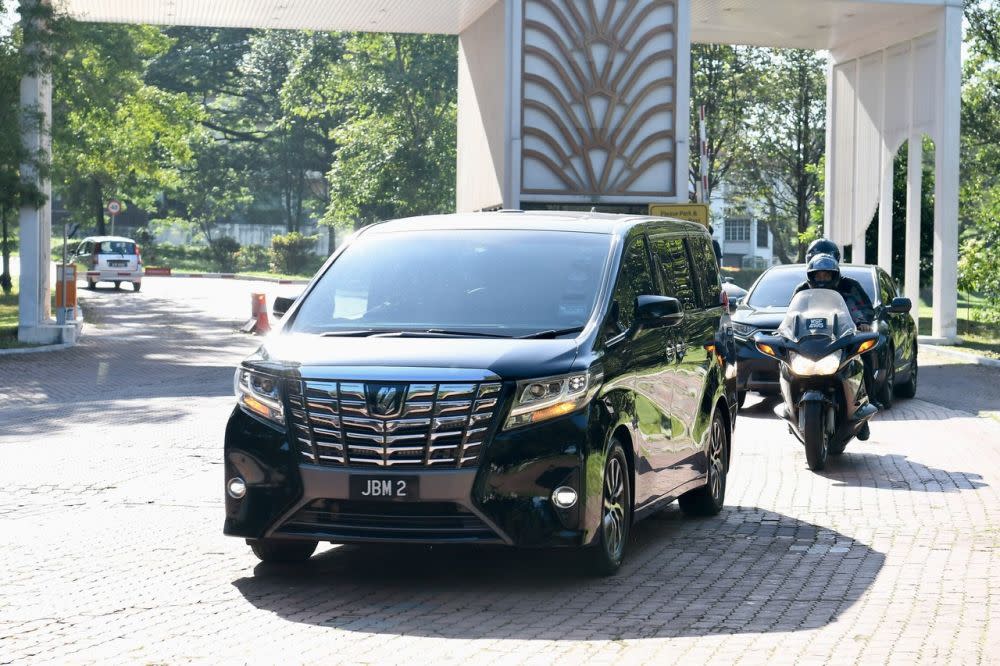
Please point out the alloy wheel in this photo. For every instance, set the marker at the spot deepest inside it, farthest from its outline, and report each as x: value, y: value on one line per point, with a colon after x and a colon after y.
x: 716, y: 460
x: 614, y: 508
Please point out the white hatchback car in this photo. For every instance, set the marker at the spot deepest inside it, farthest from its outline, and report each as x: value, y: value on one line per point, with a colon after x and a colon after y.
x: 109, y: 259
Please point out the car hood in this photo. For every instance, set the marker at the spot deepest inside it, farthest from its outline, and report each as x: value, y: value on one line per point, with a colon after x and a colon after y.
x: 415, y: 359
x: 767, y: 318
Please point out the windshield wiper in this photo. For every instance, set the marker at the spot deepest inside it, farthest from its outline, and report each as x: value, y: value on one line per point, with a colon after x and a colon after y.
x: 462, y: 334
x: 351, y: 334
x: 553, y: 333
x: 409, y: 333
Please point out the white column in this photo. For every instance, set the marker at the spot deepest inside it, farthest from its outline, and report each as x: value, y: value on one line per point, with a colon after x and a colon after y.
x: 858, y: 245
x: 914, y: 183
x: 36, y: 223
x: 946, y: 160
x: 885, y: 212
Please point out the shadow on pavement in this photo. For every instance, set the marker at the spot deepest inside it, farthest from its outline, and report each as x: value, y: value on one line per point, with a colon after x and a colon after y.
x: 136, y: 348
x: 748, y: 570
x: 895, y: 472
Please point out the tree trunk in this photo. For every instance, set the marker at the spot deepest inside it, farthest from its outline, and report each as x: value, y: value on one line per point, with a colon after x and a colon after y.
x: 99, y: 209
x: 6, y: 284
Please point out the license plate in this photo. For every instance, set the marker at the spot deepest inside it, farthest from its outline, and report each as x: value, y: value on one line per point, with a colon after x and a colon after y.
x: 399, y: 488
x: 117, y: 264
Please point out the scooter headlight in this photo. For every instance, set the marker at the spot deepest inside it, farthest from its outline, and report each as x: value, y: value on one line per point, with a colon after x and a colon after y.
x: 807, y: 367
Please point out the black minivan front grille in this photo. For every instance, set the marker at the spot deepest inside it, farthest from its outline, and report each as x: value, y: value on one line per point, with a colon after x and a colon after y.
x: 418, y: 522
x: 376, y: 424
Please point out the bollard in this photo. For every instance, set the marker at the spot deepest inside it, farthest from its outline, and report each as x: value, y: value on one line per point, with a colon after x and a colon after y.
x: 258, y: 322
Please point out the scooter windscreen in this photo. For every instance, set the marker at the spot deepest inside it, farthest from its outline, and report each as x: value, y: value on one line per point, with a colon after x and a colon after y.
x: 817, y: 312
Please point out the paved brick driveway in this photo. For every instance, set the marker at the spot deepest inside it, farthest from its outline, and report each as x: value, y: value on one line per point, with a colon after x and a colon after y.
x: 111, y: 516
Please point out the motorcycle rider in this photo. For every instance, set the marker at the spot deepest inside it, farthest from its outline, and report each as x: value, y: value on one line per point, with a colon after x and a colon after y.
x: 823, y: 272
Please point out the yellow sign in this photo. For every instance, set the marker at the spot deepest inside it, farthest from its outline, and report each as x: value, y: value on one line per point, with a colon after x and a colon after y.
x: 691, y: 212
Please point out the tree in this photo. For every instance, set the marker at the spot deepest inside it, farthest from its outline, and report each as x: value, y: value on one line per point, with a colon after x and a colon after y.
x: 726, y: 81
x: 396, y: 154
x: 787, y: 148
x: 112, y: 133
x: 16, y: 190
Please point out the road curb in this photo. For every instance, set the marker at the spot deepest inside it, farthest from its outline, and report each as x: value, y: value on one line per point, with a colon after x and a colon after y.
x: 231, y: 276
x: 965, y: 356
x: 36, y: 350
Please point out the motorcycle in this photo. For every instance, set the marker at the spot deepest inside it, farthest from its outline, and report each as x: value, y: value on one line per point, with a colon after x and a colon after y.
x: 819, y: 350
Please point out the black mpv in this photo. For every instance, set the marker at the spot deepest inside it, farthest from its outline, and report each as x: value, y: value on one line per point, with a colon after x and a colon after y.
x: 529, y: 379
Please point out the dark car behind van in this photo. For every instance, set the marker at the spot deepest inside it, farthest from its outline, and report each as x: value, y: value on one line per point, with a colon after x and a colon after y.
x: 529, y: 379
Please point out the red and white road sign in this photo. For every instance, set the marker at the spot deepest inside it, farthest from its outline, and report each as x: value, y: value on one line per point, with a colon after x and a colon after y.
x: 114, y: 207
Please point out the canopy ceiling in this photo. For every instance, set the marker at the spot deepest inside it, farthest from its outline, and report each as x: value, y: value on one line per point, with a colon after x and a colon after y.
x: 815, y: 24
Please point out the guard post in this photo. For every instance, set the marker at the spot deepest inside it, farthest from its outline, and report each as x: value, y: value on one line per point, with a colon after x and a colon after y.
x: 65, y: 294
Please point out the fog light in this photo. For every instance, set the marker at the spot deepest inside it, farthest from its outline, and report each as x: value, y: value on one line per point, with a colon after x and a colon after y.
x: 236, y: 487
x: 564, y: 497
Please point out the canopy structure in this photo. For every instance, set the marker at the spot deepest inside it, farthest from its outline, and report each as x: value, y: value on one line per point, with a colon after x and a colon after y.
x: 586, y: 102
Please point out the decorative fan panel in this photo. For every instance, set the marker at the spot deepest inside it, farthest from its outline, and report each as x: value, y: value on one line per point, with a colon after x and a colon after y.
x: 598, y: 98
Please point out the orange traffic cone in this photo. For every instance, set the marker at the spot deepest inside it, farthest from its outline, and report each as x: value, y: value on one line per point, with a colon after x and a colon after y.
x: 258, y: 322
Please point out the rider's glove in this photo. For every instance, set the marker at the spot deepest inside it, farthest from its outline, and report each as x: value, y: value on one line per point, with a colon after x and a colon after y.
x: 864, y: 328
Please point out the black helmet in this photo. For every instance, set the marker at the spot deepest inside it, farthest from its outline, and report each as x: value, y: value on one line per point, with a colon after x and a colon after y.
x: 822, y: 246
x: 823, y: 272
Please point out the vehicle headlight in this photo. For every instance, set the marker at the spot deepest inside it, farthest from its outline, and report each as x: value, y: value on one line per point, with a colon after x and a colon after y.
x: 259, y: 394
x: 744, y: 329
x: 806, y: 367
x: 538, y: 400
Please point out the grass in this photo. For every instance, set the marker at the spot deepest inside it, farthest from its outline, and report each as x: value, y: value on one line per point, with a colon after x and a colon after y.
x: 8, y: 319
x: 977, y: 337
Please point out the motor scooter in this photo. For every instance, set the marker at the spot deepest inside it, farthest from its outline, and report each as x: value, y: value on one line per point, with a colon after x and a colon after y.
x: 819, y: 351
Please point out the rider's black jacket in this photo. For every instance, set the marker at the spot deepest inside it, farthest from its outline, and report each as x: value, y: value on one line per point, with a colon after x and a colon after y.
x: 860, y: 306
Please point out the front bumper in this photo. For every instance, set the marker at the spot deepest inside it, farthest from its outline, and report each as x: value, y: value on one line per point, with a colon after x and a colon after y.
x: 756, y: 371
x: 505, y: 500
x: 114, y: 275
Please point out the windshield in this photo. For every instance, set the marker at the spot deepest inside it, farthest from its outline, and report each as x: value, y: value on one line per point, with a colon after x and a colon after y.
x: 116, y: 247
x: 817, y: 312
x: 774, y: 290
x: 503, y: 282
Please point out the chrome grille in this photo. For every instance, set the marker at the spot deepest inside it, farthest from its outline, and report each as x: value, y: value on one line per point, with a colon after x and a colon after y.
x: 429, y: 424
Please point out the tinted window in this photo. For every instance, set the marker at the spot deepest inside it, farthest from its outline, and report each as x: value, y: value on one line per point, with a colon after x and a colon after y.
x: 888, y: 288
x: 676, y: 271
x: 634, y: 280
x: 775, y: 288
x: 116, y: 247
x: 508, y: 282
x: 706, y: 271
x: 865, y: 276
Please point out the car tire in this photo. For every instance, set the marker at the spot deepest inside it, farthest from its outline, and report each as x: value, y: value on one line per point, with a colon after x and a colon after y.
x: 606, y: 555
x: 741, y: 398
x: 91, y: 284
x: 136, y: 286
x: 709, y: 499
x: 887, y: 388
x: 118, y: 285
x: 908, y: 389
x: 280, y: 550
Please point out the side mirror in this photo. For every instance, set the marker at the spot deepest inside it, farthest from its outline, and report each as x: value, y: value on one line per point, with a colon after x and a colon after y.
x: 281, y: 305
x: 658, y: 311
x: 900, y: 305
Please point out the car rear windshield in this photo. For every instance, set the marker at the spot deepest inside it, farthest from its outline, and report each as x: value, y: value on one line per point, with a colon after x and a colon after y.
x: 502, y: 282
x: 774, y: 290
x: 116, y: 247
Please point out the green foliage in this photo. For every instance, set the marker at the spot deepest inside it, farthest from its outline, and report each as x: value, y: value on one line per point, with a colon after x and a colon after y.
x: 253, y: 258
x: 396, y: 154
x: 113, y: 135
x: 726, y: 80
x: 291, y: 252
x: 782, y: 169
x: 146, y: 239
x: 224, y: 252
